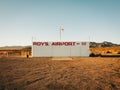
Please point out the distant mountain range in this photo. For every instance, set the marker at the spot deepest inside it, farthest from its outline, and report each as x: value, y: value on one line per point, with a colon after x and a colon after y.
x: 15, y: 47
x: 103, y: 44
x: 92, y: 45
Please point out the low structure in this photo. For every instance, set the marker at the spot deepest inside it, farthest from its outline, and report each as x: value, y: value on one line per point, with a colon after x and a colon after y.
x: 14, y: 51
x: 60, y: 49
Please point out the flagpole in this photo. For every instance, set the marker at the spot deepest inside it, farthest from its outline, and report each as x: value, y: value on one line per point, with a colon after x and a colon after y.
x: 89, y: 38
x: 60, y: 33
x: 32, y: 40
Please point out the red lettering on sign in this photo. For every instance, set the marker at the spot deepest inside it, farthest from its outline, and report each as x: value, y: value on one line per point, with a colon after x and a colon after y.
x: 53, y: 43
x: 83, y: 43
x: 40, y: 43
x: 57, y: 43
x: 34, y: 43
x: 45, y: 43
x: 63, y: 43
x: 74, y: 43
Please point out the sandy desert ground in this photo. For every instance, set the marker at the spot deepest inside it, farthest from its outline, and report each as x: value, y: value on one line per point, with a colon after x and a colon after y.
x: 92, y: 73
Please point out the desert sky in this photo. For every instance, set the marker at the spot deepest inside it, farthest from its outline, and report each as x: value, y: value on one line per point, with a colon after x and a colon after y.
x: 82, y: 20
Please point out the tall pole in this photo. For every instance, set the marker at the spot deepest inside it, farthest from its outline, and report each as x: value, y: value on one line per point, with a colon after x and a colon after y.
x: 32, y: 46
x: 60, y: 33
x: 89, y: 38
x: 32, y: 40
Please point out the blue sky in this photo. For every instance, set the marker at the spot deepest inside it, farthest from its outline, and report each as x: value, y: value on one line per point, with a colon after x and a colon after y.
x: 20, y: 20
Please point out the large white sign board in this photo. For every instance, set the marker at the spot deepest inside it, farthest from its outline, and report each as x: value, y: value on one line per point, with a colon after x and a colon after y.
x: 60, y: 49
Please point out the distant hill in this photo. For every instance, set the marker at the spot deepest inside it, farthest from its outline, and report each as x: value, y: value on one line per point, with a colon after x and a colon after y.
x: 15, y: 47
x: 103, y: 44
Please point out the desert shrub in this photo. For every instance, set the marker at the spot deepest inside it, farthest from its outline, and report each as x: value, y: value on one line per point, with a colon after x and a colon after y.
x: 94, y: 55
x: 108, y: 52
x: 99, y: 55
x: 118, y: 52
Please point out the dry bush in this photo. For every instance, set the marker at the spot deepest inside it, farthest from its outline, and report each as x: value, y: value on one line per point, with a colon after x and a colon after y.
x: 118, y: 52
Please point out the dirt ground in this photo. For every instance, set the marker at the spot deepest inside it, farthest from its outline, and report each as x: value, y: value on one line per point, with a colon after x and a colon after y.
x: 92, y: 73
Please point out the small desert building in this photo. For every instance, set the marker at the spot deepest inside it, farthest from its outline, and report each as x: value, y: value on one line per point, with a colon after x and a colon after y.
x: 14, y: 51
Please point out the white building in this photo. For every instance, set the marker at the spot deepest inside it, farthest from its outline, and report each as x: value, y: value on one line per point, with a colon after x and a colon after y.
x: 60, y: 49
